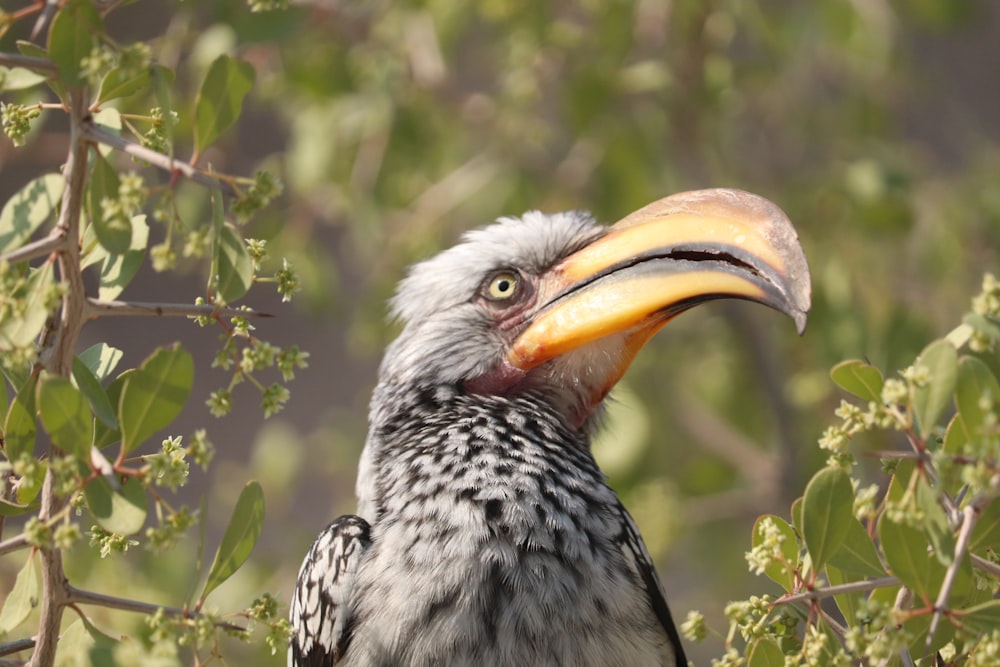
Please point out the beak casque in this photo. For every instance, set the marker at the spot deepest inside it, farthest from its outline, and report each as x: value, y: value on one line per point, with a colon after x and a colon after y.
x: 657, y: 262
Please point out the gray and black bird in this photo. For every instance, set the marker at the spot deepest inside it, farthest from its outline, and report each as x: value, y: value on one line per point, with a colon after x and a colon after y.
x: 485, y: 533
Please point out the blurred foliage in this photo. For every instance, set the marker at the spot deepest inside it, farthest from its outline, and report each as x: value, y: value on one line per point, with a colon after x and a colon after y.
x: 396, y: 125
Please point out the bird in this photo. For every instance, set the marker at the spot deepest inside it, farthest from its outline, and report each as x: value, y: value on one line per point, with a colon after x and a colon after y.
x: 486, y: 533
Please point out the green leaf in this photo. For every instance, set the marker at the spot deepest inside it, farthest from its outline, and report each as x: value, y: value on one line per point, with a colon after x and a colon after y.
x: 220, y: 99
x: 234, y: 268
x: 986, y: 533
x: 73, y: 34
x: 240, y: 537
x: 28, y: 209
x: 983, y: 618
x: 935, y: 523
x: 113, y: 232
x: 122, y: 83
x: 15, y: 509
x: 94, y: 392
x: 859, y: 378
x: 783, y: 575
x: 117, y: 271
x: 905, y: 550
x: 827, y: 511
x: 101, y: 359
x: 122, y: 512
x: 21, y: 599
x: 154, y: 394
x: 929, y: 402
x: 20, y: 427
x: 103, y: 435
x: 856, y: 554
x: 765, y: 652
x: 83, y: 644
x: 65, y: 415
x: 19, y: 78
x: 847, y: 603
x: 975, y: 383
x: 956, y: 436
x: 20, y: 331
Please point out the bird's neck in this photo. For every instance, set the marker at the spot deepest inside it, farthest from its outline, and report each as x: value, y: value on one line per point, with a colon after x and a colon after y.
x: 442, y: 432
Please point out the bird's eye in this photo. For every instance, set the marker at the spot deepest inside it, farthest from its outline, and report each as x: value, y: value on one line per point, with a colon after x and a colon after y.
x: 502, y: 286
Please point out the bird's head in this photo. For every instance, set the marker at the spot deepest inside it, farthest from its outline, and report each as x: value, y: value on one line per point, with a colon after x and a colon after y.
x: 560, y: 305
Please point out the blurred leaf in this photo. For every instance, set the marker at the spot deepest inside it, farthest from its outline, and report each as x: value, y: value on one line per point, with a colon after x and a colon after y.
x: 65, y: 415
x: 956, y: 435
x: 121, y: 83
x: 117, y: 271
x: 847, y: 603
x: 19, y: 78
x: 15, y: 509
x: 103, y: 435
x: 859, y: 378
x: 783, y: 575
x: 975, y: 383
x: 935, y: 523
x: 986, y: 533
x: 21, y: 599
x: 827, y: 511
x: 101, y: 359
x: 983, y: 325
x: 983, y: 618
x: 234, y: 268
x: 240, y: 537
x: 25, y: 212
x: 624, y: 438
x: 856, y: 554
x: 905, y: 550
x: 929, y: 402
x: 72, y: 36
x: 113, y: 232
x: 96, y: 396
x: 20, y: 331
x: 83, y: 645
x: 20, y: 427
x: 220, y: 99
x: 796, y: 512
x: 122, y: 512
x: 765, y: 653
x: 154, y: 394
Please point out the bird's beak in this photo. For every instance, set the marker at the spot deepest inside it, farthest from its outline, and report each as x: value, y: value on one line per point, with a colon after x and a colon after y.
x: 659, y: 261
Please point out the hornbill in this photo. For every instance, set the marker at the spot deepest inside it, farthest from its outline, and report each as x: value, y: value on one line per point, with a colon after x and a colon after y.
x: 485, y: 533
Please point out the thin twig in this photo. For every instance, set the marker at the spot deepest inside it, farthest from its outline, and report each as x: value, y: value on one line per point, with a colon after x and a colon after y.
x: 970, y: 514
x: 27, y: 62
x: 155, y: 158
x: 17, y: 646
x: 830, y: 591
x: 983, y: 564
x: 13, y: 544
x: 98, y: 308
x: 78, y: 596
x: 54, y: 242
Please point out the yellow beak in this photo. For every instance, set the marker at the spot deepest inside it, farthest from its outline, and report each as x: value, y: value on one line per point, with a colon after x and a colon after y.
x: 661, y: 260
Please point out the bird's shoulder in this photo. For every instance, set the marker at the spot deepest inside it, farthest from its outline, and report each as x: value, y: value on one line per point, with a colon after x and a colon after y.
x: 321, y: 604
x: 639, y: 559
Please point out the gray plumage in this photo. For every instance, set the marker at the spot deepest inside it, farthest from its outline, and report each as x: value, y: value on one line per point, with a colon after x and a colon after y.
x: 486, y: 533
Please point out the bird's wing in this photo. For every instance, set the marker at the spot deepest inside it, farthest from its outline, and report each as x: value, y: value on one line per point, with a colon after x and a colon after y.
x: 636, y: 553
x: 321, y: 605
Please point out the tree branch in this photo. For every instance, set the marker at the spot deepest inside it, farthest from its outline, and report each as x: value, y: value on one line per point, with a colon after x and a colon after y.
x: 830, y: 591
x: 98, y: 308
x: 17, y: 646
x: 969, y: 516
x: 78, y: 596
x: 13, y: 544
x: 54, y: 242
x: 28, y: 62
x: 155, y: 158
x: 984, y: 564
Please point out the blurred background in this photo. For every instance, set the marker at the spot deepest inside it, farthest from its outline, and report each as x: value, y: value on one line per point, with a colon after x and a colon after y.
x: 395, y: 126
